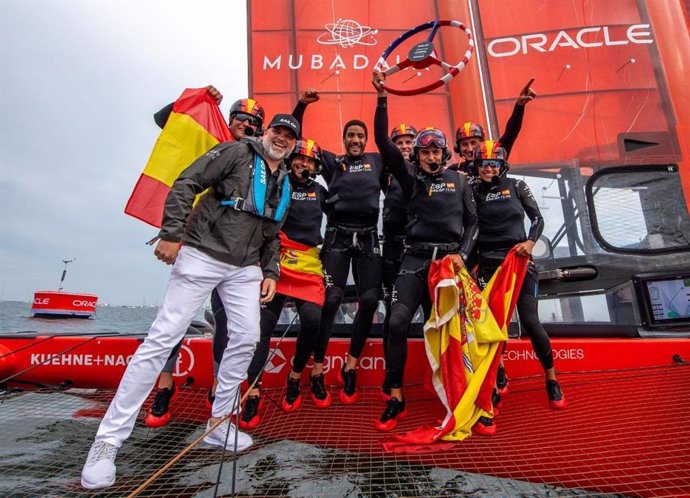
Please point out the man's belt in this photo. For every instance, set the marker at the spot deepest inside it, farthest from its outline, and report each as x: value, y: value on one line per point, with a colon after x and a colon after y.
x: 349, y: 230
x: 431, y: 247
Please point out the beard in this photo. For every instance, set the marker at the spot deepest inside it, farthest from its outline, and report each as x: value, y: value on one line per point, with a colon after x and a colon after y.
x: 273, y: 153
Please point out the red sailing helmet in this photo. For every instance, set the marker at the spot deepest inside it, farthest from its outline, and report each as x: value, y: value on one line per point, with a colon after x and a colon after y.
x: 469, y: 130
x: 490, y: 151
x: 308, y: 148
x: 402, y: 130
x: 249, y: 107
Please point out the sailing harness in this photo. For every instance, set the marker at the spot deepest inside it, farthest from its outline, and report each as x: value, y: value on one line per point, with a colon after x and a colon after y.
x: 255, y: 202
x: 352, y: 236
x: 426, y: 249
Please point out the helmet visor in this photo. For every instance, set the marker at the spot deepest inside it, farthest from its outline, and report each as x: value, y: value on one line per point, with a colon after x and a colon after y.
x: 428, y: 138
x: 490, y: 163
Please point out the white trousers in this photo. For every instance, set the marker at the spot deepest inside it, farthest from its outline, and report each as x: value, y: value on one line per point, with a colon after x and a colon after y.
x: 193, y: 277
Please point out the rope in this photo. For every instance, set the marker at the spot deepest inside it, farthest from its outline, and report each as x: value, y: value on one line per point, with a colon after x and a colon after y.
x: 225, y: 446
x: 213, y: 427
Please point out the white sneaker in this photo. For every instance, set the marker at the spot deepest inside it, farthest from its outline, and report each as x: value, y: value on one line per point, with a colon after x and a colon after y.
x: 218, y: 437
x: 99, y: 469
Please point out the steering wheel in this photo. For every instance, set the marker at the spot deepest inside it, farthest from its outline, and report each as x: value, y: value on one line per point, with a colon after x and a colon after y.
x: 422, y: 56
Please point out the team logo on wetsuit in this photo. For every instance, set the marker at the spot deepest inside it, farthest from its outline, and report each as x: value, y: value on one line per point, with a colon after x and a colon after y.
x: 497, y: 196
x: 358, y: 168
x: 304, y: 196
x: 441, y: 187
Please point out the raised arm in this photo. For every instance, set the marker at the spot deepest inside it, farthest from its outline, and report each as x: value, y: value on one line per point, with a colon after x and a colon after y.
x: 162, y: 116
x: 309, y: 96
x: 391, y: 155
x: 514, y: 124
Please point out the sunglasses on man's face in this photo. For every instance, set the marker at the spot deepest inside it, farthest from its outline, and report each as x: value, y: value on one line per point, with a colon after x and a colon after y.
x: 242, y: 117
x: 490, y: 164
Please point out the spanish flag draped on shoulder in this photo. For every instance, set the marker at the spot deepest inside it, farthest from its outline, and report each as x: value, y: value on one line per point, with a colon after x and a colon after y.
x: 301, y: 273
x: 462, y: 339
x: 195, y: 125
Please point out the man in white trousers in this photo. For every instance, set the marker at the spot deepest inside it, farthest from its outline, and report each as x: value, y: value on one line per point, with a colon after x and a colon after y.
x: 229, y: 241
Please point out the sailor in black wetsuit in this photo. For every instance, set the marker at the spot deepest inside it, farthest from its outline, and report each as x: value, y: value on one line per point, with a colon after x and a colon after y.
x: 442, y: 221
x: 467, y: 137
x: 302, y: 228
x: 355, y: 181
x: 469, y: 134
x: 394, y: 222
x: 501, y: 207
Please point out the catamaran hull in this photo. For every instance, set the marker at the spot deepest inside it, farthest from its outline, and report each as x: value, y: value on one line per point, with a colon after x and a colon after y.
x: 100, y: 361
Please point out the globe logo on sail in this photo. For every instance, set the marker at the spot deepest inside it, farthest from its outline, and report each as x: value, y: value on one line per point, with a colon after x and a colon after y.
x: 347, y: 33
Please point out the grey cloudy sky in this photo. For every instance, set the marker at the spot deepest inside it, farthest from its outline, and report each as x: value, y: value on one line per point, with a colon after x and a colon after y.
x: 80, y: 80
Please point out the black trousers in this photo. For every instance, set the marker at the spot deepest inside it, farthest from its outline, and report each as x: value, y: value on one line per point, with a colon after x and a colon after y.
x: 392, y: 252
x: 309, y: 316
x: 341, y: 250
x: 527, y: 307
x: 411, y: 289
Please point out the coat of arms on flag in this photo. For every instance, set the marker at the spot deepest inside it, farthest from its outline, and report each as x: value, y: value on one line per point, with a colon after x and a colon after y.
x: 462, y: 339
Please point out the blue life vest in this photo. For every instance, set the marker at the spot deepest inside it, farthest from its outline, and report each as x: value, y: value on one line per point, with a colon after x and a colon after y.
x: 255, y: 202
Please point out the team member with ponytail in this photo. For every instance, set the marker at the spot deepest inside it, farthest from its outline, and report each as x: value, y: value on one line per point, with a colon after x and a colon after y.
x: 502, y: 203
x: 300, y: 236
x: 442, y: 221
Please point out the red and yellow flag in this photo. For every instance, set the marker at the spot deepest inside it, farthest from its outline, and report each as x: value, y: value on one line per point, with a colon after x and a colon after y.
x: 462, y: 339
x: 194, y: 126
x: 301, y: 273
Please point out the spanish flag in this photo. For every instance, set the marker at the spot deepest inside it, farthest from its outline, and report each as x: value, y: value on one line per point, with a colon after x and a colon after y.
x: 194, y: 126
x: 462, y: 339
x: 301, y: 273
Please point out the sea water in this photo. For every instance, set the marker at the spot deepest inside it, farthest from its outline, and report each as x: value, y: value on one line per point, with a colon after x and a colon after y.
x: 15, y: 317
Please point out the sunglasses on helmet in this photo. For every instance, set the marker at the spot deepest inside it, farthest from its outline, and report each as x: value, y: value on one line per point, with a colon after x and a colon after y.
x: 242, y: 117
x: 490, y: 164
x: 430, y: 137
